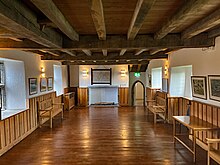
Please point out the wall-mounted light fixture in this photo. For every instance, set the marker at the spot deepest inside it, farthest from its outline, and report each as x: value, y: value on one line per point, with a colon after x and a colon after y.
x: 84, y: 73
x: 42, y: 69
x: 166, y: 69
x: 123, y: 72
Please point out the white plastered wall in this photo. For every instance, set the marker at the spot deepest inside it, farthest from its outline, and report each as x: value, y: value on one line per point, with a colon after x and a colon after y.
x: 204, y: 62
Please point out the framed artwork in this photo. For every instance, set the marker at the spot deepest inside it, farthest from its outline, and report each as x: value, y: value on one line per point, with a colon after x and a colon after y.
x: 50, y: 83
x: 43, y: 84
x: 32, y: 86
x: 214, y: 87
x: 199, y: 89
x: 101, y: 76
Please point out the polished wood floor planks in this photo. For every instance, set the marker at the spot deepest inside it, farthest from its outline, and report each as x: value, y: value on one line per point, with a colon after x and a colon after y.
x: 102, y: 136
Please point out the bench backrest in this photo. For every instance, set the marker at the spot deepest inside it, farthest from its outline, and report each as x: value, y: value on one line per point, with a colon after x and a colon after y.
x: 161, y: 98
x: 45, y: 104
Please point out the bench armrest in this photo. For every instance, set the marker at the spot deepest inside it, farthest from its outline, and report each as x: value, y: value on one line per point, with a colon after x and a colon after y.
x: 158, y: 106
x: 151, y: 100
x: 209, y: 141
x: 58, y: 103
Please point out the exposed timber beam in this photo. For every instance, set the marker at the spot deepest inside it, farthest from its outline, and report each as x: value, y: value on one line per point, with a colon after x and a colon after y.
x: 203, y: 25
x: 105, y: 52
x: 140, y: 51
x: 122, y: 52
x: 18, y: 18
x: 141, y: 42
x: 214, y: 33
x: 186, y: 12
x: 51, y: 52
x: 111, y: 62
x: 87, y: 52
x: 111, y: 56
x: 143, y: 67
x: 98, y: 18
x: 45, y: 53
x: 117, y: 43
x: 54, y: 14
x: 154, y: 51
x: 141, y: 10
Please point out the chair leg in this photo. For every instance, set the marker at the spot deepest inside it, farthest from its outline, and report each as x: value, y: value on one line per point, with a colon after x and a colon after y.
x: 208, y: 159
x: 155, y: 118
x: 51, y: 120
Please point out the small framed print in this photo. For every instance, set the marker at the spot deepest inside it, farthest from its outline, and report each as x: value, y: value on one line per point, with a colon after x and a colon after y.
x: 32, y: 86
x: 50, y: 83
x: 43, y: 84
x: 214, y: 87
x: 199, y: 87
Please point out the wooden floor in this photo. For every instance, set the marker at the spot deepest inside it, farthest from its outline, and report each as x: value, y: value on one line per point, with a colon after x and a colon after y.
x: 102, y: 136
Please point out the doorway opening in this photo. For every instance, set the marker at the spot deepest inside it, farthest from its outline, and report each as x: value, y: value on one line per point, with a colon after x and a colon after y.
x: 138, y: 94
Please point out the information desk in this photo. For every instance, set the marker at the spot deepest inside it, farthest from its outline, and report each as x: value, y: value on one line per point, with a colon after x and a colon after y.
x: 194, y: 124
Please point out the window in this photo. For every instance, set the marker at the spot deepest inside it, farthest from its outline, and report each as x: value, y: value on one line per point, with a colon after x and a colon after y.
x: 156, y: 77
x: 58, y: 85
x: 2, y: 86
x: 180, y: 81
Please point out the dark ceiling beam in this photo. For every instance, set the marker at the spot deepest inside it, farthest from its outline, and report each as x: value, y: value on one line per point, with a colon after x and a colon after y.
x: 122, y: 52
x: 7, y: 44
x: 98, y: 18
x: 140, y: 12
x: 19, y: 19
x: 134, y: 68
x: 104, y: 52
x: 214, y: 33
x: 111, y: 56
x: 143, y: 67
x: 45, y: 53
x: 154, y: 51
x: 140, y: 51
x: 188, y: 10
x: 203, y: 25
x: 87, y: 52
x: 119, y: 42
x: 54, y: 14
x: 113, y: 62
x: 141, y: 42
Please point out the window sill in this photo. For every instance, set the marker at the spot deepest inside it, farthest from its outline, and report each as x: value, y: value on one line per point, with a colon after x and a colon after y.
x: 10, y: 112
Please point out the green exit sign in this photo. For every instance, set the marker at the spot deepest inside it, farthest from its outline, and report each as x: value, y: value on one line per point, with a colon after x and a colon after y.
x: 137, y: 74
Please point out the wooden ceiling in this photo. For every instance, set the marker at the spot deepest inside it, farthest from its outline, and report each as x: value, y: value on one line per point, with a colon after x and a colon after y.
x: 105, y: 32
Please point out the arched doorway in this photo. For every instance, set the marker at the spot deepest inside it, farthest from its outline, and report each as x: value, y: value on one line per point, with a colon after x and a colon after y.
x: 138, y: 94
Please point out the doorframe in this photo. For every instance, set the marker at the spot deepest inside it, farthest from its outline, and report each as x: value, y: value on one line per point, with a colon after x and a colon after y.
x: 132, y: 92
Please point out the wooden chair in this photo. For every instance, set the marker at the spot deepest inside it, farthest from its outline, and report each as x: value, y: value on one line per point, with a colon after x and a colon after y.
x: 47, y: 109
x: 213, y: 152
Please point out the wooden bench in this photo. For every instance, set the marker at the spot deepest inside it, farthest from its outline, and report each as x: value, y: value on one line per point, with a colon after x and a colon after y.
x: 213, y: 152
x: 158, y: 106
x: 47, y: 109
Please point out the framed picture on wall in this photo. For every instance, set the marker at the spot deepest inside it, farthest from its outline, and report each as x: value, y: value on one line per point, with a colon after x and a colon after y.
x: 199, y: 87
x: 43, y: 84
x: 50, y: 83
x: 32, y: 86
x: 101, y: 76
x: 214, y: 87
